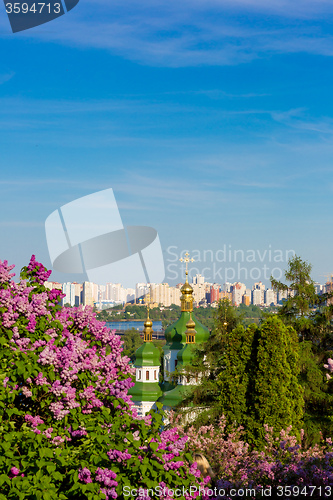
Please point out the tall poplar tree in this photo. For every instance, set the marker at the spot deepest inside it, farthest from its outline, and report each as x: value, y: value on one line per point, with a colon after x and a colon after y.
x: 278, y: 396
x: 236, y: 380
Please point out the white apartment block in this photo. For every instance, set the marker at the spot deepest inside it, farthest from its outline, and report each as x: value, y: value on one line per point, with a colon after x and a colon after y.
x: 89, y: 293
x: 238, y: 290
x: 256, y: 297
x: 69, y: 290
x: 141, y: 290
x: 258, y: 286
x: 198, y: 279
x: 113, y: 291
x: 237, y: 296
x: 199, y: 291
x: 165, y: 294
x: 102, y: 292
x: 270, y: 297
x: 130, y: 294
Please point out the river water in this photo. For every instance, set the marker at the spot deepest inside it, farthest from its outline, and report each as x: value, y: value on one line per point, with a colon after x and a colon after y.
x: 138, y: 325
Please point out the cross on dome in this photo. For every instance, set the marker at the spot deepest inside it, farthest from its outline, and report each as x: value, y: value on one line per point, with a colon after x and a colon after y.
x: 186, y: 260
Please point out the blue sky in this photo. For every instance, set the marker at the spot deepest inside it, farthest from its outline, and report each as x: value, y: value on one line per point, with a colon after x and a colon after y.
x: 211, y: 120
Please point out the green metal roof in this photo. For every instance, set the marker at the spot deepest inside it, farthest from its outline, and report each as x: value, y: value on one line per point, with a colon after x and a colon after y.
x: 175, y: 334
x: 147, y: 355
x: 145, y: 391
x: 185, y: 355
x: 172, y: 398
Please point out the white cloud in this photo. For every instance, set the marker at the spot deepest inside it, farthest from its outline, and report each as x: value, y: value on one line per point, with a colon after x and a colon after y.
x: 297, y: 119
x: 5, y: 77
x: 193, y: 32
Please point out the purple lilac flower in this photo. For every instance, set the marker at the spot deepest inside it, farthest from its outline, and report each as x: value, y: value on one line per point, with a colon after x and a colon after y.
x: 85, y: 475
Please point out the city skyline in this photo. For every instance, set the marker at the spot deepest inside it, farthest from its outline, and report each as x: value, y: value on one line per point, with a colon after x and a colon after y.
x: 211, y: 121
x: 163, y: 294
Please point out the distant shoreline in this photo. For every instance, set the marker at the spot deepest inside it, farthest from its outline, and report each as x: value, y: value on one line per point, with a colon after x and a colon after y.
x: 126, y: 320
x: 137, y: 324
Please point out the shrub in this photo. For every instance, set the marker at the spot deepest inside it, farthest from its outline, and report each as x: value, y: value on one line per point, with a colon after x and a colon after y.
x: 68, y: 428
x: 281, y: 464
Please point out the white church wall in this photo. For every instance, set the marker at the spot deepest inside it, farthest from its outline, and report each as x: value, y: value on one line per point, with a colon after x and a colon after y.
x: 147, y: 374
x: 170, y: 358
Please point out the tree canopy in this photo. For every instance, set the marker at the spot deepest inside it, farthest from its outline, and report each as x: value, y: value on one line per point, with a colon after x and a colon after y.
x: 248, y: 375
x: 68, y: 429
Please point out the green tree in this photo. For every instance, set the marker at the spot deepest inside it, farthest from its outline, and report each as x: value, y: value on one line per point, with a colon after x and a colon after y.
x: 258, y: 384
x: 102, y: 315
x: 309, y: 313
x: 68, y: 429
x: 321, y: 332
x: 252, y: 379
x: 302, y: 295
x: 131, y: 342
x: 236, y: 379
x: 277, y: 394
x: 311, y: 316
x: 250, y: 314
x: 226, y: 319
x: 318, y: 396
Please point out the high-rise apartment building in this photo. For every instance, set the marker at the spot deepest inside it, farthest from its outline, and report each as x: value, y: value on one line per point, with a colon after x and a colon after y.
x: 69, y: 290
x: 101, y: 292
x: 214, y: 293
x: 78, y: 293
x: 199, y: 292
x: 258, y: 286
x: 113, y: 291
x: 270, y: 297
x: 237, y: 293
x: 164, y: 294
x: 129, y: 294
x: 141, y: 290
x: 256, y: 297
x: 90, y: 293
x: 198, y: 279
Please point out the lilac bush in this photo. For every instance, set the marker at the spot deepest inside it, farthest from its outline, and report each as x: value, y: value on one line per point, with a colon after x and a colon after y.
x: 68, y: 428
x: 282, y: 464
